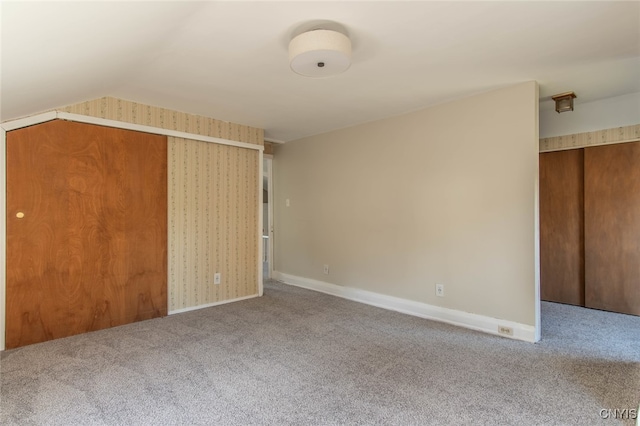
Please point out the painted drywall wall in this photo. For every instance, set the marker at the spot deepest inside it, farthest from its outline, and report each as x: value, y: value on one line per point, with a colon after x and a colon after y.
x: 444, y: 195
x: 619, y: 111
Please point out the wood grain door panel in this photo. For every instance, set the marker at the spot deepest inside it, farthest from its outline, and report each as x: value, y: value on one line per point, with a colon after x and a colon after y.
x: 96, y: 175
x: 612, y: 227
x: 562, y: 227
x: 91, y: 251
x: 145, y: 227
x: 37, y: 244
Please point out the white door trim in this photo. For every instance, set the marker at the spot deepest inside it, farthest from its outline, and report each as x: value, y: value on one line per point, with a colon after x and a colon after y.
x: 270, y: 232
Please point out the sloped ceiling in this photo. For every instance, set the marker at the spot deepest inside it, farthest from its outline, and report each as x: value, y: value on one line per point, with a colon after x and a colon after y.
x: 229, y: 60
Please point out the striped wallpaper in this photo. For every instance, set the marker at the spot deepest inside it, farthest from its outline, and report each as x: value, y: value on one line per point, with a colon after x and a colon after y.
x: 213, y: 222
x: 582, y: 140
x: 132, y: 112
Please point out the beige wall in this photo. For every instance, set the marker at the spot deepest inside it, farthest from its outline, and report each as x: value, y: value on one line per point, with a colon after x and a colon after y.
x: 444, y: 195
x: 213, y: 202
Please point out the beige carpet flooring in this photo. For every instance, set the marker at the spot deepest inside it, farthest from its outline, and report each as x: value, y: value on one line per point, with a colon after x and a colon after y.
x: 297, y: 357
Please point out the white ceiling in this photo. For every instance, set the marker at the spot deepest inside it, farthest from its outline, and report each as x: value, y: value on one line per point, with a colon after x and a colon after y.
x: 229, y: 60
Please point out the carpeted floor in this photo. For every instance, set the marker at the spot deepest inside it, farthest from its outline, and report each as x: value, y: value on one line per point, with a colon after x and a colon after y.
x: 297, y: 357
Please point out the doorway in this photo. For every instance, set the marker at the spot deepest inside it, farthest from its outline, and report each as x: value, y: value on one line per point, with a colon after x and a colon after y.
x: 267, y: 216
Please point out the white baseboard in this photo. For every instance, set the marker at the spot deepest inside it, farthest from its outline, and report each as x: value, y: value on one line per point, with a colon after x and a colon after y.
x: 208, y: 305
x: 451, y: 316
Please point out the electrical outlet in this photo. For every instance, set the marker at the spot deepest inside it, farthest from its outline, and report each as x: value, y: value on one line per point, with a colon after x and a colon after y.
x: 440, y: 290
x: 216, y: 278
x: 507, y: 331
x: 325, y: 269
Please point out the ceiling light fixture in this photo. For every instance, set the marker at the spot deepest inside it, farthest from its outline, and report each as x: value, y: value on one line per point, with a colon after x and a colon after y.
x: 564, y: 101
x: 320, y: 53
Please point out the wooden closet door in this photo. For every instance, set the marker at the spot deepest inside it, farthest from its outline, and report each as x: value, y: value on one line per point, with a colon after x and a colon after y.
x: 106, y: 206
x: 562, y: 227
x: 96, y: 178
x: 612, y: 227
x: 144, y: 198
x: 37, y: 293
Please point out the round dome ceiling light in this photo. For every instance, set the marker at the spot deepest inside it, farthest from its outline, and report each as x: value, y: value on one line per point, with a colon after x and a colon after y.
x: 320, y: 53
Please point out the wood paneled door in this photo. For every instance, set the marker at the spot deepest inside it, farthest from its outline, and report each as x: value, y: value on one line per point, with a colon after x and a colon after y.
x: 562, y: 227
x: 86, y: 229
x: 612, y: 227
